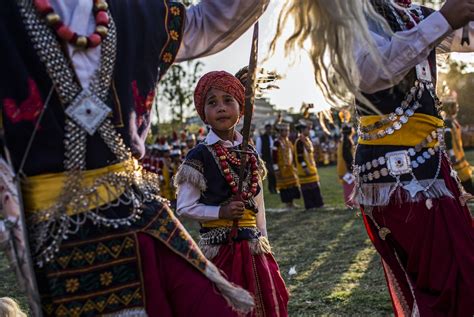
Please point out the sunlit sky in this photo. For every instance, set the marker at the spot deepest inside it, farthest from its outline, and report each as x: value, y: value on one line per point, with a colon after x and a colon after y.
x: 298, y: 85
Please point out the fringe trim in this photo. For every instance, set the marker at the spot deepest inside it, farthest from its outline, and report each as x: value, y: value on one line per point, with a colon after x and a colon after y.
x: 262, y: 169
x: 137, y: 312
x: 238, y: 298
x: 259, y: 246
x: 188, y: 174
x: 380, y: 194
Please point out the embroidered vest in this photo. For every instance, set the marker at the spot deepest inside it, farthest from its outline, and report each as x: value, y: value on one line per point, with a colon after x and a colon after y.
x: 149, y: 33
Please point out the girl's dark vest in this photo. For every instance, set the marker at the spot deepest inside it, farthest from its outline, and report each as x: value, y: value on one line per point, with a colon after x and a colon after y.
x: 218, y: 192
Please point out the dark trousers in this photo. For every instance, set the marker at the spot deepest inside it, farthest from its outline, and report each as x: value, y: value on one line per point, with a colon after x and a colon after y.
x: 312, y: 196
x: 271, y: 178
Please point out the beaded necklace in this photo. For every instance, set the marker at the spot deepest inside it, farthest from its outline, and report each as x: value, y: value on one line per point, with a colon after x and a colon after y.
x: 226, y: 161
x: 46, y: 11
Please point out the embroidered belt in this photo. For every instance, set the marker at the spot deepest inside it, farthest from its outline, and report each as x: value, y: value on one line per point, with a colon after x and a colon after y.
x: 401, y: 162
x: 220, y: 235
x: 42, y: 191
x: 249, y: 219
x: 413, y: 132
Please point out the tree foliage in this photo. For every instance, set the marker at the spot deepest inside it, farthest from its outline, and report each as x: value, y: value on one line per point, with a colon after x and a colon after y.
x: 175, y: 92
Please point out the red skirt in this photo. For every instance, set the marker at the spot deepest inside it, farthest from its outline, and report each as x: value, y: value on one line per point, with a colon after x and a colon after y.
x: 428, y: 257
x: 257, y: 273
x: 174, y: 288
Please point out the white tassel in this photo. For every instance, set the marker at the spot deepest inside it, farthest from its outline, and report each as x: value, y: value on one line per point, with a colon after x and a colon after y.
x: 188, y: 174
x: 139, y: 312
x: 380, y: 194
x: 240, y: 300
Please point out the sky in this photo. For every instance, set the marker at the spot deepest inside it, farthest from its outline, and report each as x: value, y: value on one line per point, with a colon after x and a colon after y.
x: 298, y: 85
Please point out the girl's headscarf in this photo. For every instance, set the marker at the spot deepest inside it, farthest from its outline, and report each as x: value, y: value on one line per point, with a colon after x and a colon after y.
x: 219, y: 80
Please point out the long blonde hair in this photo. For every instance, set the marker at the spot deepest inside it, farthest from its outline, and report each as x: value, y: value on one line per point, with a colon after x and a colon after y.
x: 10, y: 308
x: 332, y: 27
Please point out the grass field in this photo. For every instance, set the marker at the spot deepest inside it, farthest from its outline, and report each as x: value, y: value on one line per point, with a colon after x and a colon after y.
x: 338, y: 272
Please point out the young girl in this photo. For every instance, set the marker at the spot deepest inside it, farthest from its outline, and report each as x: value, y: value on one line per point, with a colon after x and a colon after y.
x: 233, y: 227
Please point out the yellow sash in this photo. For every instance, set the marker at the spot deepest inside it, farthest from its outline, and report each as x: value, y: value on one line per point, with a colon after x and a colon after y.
x: 42, y: 191
x: 249, y: 219
x: 411, y: 134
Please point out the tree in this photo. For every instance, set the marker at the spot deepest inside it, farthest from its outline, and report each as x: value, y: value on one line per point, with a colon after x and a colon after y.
x: 176, y: 90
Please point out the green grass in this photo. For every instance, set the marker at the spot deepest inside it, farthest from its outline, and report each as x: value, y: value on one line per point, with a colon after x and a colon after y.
x: 338, y: 271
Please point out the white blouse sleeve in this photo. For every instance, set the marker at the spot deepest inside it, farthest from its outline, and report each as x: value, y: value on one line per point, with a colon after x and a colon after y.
x: 188, y: 205
x: 400, y: 53
x: 212, y: 25
x: 261, y: 219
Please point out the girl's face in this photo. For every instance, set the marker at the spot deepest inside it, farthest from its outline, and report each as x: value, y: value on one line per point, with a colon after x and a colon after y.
x: 284, y: 132
x: 221, y: 109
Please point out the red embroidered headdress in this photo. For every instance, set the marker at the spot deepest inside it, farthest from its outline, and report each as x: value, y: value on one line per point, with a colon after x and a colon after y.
x: 219, y: 80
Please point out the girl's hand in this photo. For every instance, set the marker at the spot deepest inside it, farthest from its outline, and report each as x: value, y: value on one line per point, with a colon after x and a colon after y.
x: 234, y: 210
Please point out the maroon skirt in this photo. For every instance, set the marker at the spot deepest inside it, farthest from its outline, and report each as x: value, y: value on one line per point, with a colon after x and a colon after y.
x: 257, y: 273
x: 173, y: 288
x: 428, y: 256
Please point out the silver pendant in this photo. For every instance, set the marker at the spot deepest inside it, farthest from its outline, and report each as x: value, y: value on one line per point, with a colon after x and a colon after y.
x: 423, y: 72
x: 413, y: 187
x: 398, y: 162
x: 88, y: 111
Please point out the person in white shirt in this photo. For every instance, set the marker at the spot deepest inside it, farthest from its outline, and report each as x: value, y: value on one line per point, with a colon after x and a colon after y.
x: 414, y: 207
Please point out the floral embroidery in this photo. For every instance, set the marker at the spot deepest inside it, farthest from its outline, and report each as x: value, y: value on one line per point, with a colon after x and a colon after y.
x: 106, y: 278
x: 142, y: 105
x: 174, y: 35
x: 175, y: 11
x: 72, y: 285
x: 175, y: 31
x: 167, y: 57
x: 29, y: 109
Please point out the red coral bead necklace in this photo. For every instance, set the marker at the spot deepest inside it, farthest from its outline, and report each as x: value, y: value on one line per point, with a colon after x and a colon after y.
x: 65, y: 33
x: 225, y: 160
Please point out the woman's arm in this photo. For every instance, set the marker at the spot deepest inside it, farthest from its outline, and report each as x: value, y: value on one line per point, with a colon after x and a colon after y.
x: 212, y: 25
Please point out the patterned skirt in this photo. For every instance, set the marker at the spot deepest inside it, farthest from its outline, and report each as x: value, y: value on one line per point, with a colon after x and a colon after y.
x: 428, y: 256
x: 151, y: 268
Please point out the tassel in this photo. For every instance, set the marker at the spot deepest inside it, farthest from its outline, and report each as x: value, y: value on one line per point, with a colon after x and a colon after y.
x: 380, y: 194
x: 210, y: 251
x: 139, y: 312
x: 260, y: 246
x: 188, y: 174
x: 240, y: 300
